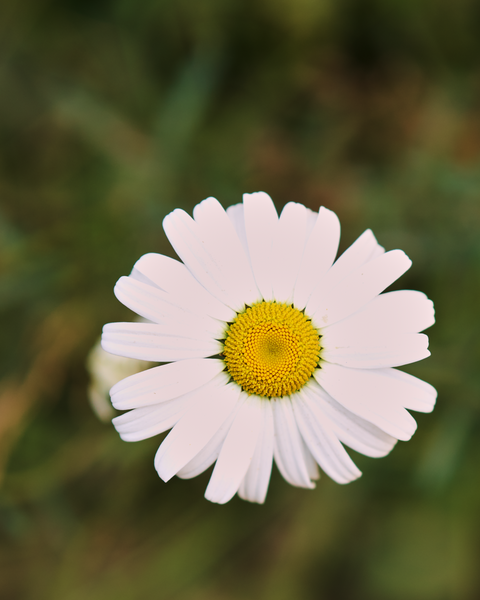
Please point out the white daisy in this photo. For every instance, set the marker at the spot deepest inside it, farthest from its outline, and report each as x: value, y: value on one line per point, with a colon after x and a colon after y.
x: 105, y: 370
x: 274, y: 349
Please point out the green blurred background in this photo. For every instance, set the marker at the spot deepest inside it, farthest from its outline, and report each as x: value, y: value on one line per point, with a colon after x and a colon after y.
x: 112, y: 113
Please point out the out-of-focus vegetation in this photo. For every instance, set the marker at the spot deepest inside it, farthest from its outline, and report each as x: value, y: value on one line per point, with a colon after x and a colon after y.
x: 114, y: 112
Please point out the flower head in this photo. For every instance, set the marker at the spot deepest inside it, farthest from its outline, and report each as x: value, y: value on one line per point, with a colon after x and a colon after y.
x: 274, y: 349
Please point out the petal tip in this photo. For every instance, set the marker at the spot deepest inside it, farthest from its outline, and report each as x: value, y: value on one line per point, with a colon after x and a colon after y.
x: 163, y: 471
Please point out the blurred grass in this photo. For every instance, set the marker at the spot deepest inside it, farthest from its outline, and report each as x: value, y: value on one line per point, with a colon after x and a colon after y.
x: 114, y: 113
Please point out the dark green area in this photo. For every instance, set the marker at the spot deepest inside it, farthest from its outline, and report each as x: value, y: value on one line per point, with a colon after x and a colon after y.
x: 112, y: 113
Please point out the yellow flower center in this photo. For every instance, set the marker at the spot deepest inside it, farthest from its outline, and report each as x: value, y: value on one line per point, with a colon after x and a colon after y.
x: 271, y: 349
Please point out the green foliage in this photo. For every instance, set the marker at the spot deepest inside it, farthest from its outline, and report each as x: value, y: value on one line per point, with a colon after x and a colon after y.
x: 113, y: 113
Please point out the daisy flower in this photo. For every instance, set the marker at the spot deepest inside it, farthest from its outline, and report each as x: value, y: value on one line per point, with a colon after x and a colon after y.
x: 105, y: 370
x: 274, y: 350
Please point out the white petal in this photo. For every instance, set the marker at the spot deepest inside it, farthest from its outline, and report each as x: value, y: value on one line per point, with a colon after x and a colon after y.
x: 188, y: 240
x: 261, y: 220
x: 287, y: 249
x: 378, y: 251
x: 352, y: 430
x: 322, y: 442
x: 288, y: 449
x: 312, y: 220
x: 145, y: 422
x: 319, y: 254
x: 359, y: 253
x: 237, y: 452
x: 255, y: 483
x: 209, y: 454
x: 195, y: 429
x: 155, y: 343
x: 374, y: 352
x: 222, y: 243
x: 409, y: 391
x: 165, y: 382
x: 361, y: 391
x: 236, y: 216
x: 361, y: 286
x: 312, y: 467
x: 156, y: 305
x: 405, y: 311
x: 174, y: 278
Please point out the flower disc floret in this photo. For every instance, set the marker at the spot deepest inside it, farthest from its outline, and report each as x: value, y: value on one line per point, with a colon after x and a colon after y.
x: 271, y: 349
